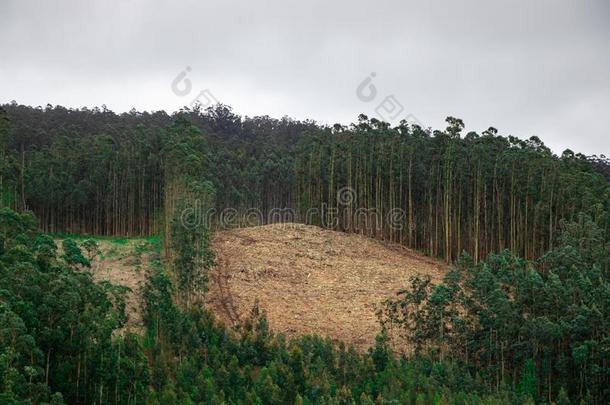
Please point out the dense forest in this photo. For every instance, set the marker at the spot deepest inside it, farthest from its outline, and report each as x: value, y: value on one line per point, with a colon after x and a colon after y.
x: 523, y: 316
x: 442, y: 192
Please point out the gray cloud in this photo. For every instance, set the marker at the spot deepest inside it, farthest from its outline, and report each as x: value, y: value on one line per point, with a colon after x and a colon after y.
x: 526, y: 67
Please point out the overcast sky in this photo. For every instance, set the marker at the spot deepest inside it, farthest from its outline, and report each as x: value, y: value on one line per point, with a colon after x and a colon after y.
x: 531, y: 67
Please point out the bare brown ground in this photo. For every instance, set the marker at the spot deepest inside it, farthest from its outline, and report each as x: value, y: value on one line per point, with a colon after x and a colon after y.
x: 311, y: 280
x: 119, y: 264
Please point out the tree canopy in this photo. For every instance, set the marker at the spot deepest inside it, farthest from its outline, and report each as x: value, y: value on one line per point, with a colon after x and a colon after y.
x: 522, y: 317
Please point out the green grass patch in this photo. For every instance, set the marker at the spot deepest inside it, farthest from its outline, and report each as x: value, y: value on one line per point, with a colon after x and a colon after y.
x: 118, y: 247
x: 119, y: 240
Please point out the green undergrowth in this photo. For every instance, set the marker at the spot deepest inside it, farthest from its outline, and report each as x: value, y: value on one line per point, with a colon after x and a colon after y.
x: 118, y: 239
x: 120, y: 247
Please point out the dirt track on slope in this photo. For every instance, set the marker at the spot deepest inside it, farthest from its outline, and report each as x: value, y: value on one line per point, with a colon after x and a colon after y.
x: 311, y: 280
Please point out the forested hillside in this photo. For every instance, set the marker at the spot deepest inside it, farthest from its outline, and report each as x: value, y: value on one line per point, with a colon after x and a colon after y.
x: 442, y: 192
x: 522, y: 317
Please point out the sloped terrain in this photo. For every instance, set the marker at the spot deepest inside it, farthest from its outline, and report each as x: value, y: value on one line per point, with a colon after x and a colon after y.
x: 124, y: 262
x: 310, y: 280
